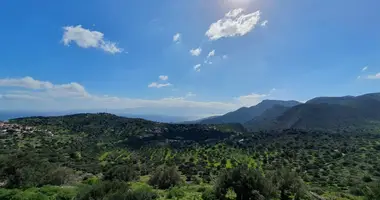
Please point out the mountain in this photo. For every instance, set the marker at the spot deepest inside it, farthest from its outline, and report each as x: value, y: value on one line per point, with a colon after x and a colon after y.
x: 245, y: 114
x: 346, y: 100
x: 266, y: 120
x: 332, y: 113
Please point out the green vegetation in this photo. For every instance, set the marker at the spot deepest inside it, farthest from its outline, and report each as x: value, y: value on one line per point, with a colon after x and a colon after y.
x: 103, y: 156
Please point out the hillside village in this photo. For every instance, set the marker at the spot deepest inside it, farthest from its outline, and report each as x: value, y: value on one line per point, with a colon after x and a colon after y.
x: 11, y: 128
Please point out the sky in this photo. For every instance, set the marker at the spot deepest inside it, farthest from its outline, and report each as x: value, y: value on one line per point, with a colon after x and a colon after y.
x: 184, y: 58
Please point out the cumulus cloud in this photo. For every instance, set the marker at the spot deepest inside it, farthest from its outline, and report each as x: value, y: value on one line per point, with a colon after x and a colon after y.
x: 177, y: 38
x: 163, y: 77
x: 158, y: 85
x: 211, y: 54
x: 197, y: 67
x: 86, y: 38
x: 374, y: 76
x: 234, y: 23
x: 196, y: 52
x: 264, y: 23
x: 365, y: 69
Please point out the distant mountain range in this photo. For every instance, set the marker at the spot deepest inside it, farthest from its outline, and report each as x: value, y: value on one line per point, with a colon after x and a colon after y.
x: 244, y: 114
x: 343, y: 113
x: 348, y: 112
x: 333, y: 113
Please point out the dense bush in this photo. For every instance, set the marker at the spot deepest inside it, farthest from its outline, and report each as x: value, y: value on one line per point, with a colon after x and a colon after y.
x: 44, y: 193
x: 209, y: 194
x: 25, y: 170
x: 175, y: 192
x: 104, y: 190
x: 60, y: 176
x: 138, y: 194
x: 289, y: 184
x: 246, y: 183
x: 165, y: 177
x: 372, y: 192
x: 125, y: 173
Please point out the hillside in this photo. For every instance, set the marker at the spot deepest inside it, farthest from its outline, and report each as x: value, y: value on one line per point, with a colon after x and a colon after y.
x: 245, y: 114
x: 112, y: 127
x: 266, y: 120
x: 88, y: 156
x: 333, y: 113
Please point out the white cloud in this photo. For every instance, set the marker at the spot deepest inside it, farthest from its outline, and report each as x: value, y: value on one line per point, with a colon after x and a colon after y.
x: 70, y: 89
x: 190, y: 94
x: 73, y: 96
x: 375, y: 76
x: 264, y: 23
x: 158, y: 85
x: 234, y: 13
x: 196, y: 52
x: 13, y: 96
x: 177, y: 38
x: 365, y: 69
x: 197, y: 67
x: 26, y: 82
x: 86, y: 38
x: 45, y: 96
x: 234, y: 23
x: 251, y: 99
x: 163, y: 77
x: 212, y: 53
x: 224, y: 57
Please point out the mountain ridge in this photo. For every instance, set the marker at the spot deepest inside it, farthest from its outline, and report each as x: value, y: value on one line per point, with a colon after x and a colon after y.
x: 332, y: 113
x: 245, y: 114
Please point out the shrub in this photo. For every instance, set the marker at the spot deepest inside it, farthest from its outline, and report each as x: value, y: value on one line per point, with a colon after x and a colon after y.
x: 289, y: 184
x: 175, y: 192
x: 6, y: 194
x: 59, y: 176
x: 209, y: 194
x: 103, y: 190
x: 144, y: 193
x: 372, y: 192
x: 91, y: 180
x: 165, y: 177
x: 367, y: 179
x: 121, y: 173
x: 24, y: 170
x: 245, y: 182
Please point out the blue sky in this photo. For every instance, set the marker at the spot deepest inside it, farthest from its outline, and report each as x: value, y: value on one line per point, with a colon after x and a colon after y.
x: 72, y: 55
